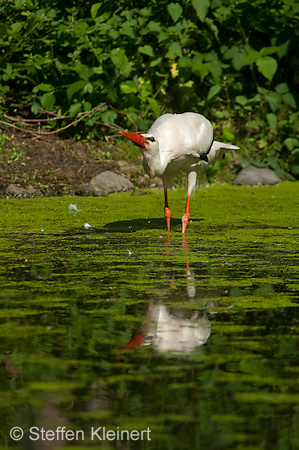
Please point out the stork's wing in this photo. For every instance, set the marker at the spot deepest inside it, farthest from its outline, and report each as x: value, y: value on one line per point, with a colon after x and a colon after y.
x: 182, y: 134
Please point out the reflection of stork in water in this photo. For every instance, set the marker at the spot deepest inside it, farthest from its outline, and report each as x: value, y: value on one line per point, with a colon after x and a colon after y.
x: 172, y: 329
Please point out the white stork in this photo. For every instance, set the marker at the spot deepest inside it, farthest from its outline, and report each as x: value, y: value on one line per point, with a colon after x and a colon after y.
x: 178, y: 142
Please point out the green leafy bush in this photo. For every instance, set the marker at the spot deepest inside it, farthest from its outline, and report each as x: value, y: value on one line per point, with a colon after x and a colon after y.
x: 234, y: 61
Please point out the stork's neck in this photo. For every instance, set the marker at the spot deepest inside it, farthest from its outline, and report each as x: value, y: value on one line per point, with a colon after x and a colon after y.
x: 152, y: 163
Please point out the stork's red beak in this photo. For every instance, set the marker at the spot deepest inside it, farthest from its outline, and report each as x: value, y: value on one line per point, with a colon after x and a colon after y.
x: 136, y: 341
x: 138, y: 139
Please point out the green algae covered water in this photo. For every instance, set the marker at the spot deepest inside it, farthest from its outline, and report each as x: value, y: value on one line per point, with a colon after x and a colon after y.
x: 117, y: 334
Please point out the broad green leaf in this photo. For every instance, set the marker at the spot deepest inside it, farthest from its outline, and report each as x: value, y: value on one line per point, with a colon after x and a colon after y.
x: 39, y: 61
x: 259, y: 164
x: 174, y: 50
x: 128, y: 31
x: 87, y: 106
x: 113, y: 33
x: 8, y: 71
x: 146, y: 50
x: 81, y: 26
x: 272, y: 161
x: 213, y: 91
x: 238, y: 59
x: 129, y: 87
x: 268, y: 50
x: 43, y: 87
x: 283, y: 49
x: 75, y: 108
x: 228, y: 134
x: 51, y: 14
x: 4, y: 88
x: 215, y: 69
x: 201, y: 7
x: 295, y: 169
x: 59, y: 65
x: 48, y: 101
x: 84, y: 72
x: 189, y: 84
x: 262, y: 143
x: 279, y: 173
x: 212, y: 25
x: 274, y: 100
x: 155, y: 62
x: 184, y: 61
x: 19, y: 4
x: 177, y: 29
x: 230, y: 52
x: 75, y: 87
x: 222, y: 12
x: 242, y: 100
x: 154, y: 105
x: 163, y: 36
x: 175, y: 10
x: 120, y: 60
x: 256, y: 98
x: 251, y: 58
x: 154, y: 26
x: 141, y: 22
x: 34, y: 107
x: 100, y: 20
x: 282, y: 88
x: 88, y: 88
x: 144, y: 94
x: 16, y: 27
x: 202, y: 68
x: 272, y: 120
x: 267, y: 66
x: 289, y: 99
x: 238, y: 56
x: 145, y: 11
x: 109, y: 117
x: 94, y: 9
x: 291, y: 143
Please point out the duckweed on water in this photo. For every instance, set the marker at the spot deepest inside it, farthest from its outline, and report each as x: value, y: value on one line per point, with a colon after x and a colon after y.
x: 217, y: 308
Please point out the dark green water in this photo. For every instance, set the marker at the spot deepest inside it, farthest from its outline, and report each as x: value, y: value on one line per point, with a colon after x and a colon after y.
x: 216, y: 311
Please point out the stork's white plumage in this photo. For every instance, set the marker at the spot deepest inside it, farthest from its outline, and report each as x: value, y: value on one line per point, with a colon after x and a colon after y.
x: 179, y: 142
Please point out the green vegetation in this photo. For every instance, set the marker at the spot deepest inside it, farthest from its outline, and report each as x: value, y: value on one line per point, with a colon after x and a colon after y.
x: 234, y: 61
x: 10, y: 154
x: 71, y: 297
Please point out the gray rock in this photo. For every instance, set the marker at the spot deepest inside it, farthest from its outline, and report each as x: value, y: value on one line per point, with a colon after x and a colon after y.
x: 111, y: 182
x: 89, y: 189
x: 32, y: 192
x: 255, y: 176
x: 13, y: 190
x: 106, y: 183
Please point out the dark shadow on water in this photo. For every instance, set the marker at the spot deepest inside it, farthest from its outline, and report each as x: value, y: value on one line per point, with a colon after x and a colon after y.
x: 127, y: 226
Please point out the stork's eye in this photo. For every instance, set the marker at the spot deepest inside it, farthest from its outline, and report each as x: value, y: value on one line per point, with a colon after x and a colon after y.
x: 152, y: 139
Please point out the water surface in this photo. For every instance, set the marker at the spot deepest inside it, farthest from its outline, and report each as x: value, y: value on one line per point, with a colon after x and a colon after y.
x: 109, y: 321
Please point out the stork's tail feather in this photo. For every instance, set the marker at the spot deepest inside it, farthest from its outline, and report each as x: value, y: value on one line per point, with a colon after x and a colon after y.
x: 218, y: 149
x: 221, y: 145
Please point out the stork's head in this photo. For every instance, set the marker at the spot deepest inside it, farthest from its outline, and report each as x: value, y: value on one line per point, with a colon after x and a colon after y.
x: 148, y: 144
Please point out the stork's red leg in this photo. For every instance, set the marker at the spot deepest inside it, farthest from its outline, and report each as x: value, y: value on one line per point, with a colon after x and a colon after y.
x: 185, y: 217
x: 167, y: 212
